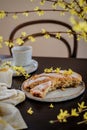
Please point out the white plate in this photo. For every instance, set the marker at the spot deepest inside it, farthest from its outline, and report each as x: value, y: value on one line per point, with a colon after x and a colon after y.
x: 29, y: 69
x: 59, y: 95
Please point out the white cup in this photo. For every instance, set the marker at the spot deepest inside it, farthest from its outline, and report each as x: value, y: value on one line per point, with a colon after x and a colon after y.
x: 22, y: 55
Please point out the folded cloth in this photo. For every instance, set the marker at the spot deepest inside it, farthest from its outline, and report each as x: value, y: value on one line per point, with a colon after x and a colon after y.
x: 4, y: 125
x: 12, y: 96
x: 10, y: 118
x: 15, y: 99
x: 4, y: 84
x: 6, y: 93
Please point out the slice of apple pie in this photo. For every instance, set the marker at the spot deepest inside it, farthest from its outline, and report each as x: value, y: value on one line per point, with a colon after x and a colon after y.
x: 39, y: 85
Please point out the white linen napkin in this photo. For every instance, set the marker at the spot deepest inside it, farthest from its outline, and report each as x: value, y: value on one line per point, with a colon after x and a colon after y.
x: 10, y: 118
x: 12, y: 96
x: 15, y: 99
x: 4, y: 125
x: 6, y: 76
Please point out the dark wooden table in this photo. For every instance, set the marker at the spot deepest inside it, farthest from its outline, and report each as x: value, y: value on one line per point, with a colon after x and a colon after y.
x: 39, y: 120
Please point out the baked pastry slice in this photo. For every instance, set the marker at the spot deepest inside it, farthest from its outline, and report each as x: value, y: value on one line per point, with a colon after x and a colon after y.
x: 63, y: 79
x: 39, y: 85
x: 34, y: 81
x: 41, y: 90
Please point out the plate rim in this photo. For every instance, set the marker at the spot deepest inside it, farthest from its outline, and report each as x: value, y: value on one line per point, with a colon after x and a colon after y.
x: 56, y: 99
x: 14, y: 74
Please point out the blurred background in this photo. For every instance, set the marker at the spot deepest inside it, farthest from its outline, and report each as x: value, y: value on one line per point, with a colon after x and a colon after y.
x: 42, y: 46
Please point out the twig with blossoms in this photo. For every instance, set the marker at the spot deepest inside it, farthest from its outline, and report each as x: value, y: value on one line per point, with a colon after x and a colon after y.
x: 76, y: 8
x: 18, y: 69
x: 46, y: 34
x: 75, y: 112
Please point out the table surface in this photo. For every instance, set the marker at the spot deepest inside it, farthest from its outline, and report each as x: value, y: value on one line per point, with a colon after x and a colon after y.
x: 39, y: 120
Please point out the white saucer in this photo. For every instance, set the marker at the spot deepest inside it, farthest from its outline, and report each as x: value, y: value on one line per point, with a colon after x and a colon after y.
x: 29, y: 69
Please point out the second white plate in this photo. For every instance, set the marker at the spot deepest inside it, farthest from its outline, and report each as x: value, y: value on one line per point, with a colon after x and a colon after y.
x: 29, y: 69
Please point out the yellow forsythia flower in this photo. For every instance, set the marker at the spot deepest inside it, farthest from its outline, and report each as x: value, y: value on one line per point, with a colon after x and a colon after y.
x: 54, y: 6
x: 47, y: 36
x: 85, y: 9
x: 81, y: 106
x: 80, y: 26
x: 8, y: 63
x: 85, y: 116
x: 30, y: 111
x: 40, y: 13
x: 0, y: 45
x: 74, y: 112
x: 23, y: 34
x: 1, y: 39
x: 26, y: 14
x: 9, y: 44
x: 81, y: 2
x: 31, y: 38
x: 68, y: 72
x: 42, y: 2
x: 58, y: 35
x: 48, y: 70
x: 73, y: 21
x: 62, y: 116
x: 57, y: 70
x: 15, y: 16
x: 61, y: 4
x: 20, y: 70
x: 19, y: 41
x: 51, y: 105
x: 43, y: 30
x: 73, y: 11
x: 36, y: 8
x: 2, y: 14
